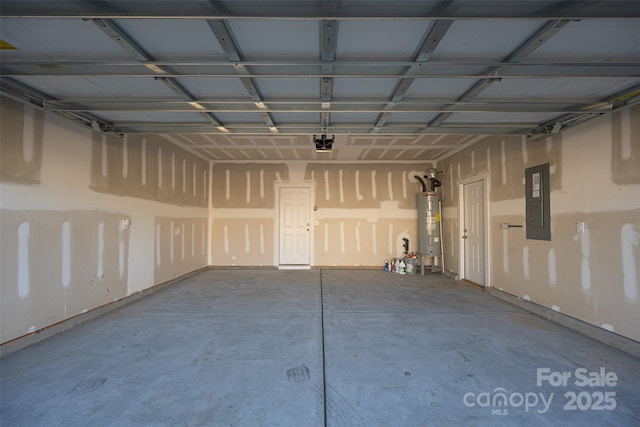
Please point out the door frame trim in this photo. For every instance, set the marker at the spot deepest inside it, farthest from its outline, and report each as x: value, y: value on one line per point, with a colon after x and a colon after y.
x: 276, y: 226
x: 484, y: 177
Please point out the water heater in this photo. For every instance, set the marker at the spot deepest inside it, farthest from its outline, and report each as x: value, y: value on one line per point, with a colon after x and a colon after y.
x: 429, y: 223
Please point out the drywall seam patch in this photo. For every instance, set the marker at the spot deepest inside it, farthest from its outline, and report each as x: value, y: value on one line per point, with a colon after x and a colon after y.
x: 585, y: 270
x: 226, y: 238
x: 628, y: 239
x: 23, y: 259
x: 184, y: 176
x: 404, y: 185
x: 173, y: 171
x: 194, y: 178
x: 341, y: 186
x: 158, y: 248
x: 160, y: 171
x: 473, y: 161
x: 100, y: 270
x: 505, y: 251
x: 66, y: 254
x: 103, y: 155
x: 327, y: 191
x: 143, y: 168
x: 247, y: 239
x: 625, y: 137
x: 172, y: 241
x: 248, y: 179
x: 374, y: 187
x: 121, y: 253
x: 28, y: 133
x: 553, y: 272
x: 125, y: 157
x: 503, y: 161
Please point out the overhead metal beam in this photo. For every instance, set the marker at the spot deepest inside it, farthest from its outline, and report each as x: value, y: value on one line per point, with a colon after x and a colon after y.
x: 428, y: 105
x: 232, y: 52
x: 534, y: 41
x: 617, y: 101
x: 28, y: 95
x: 381, y: 70
x: 352, y: 128
x: 308, y: 9
x: 129, y: 44
x: 183, y: 93
x: 432, y: 38
x: 328, y: 47
x: 123, y: 39
x: 346, y: 67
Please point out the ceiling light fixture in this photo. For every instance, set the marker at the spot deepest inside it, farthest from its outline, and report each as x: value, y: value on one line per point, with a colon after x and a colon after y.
x: 323, y: 144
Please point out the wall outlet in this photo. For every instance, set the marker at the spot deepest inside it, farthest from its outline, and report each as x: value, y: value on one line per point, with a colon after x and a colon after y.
x: 126, y: 223
x: 580, y: 227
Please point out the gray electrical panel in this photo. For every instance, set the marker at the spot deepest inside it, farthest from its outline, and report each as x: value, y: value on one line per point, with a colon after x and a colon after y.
x: 538, y: 212
x: 429, y: 223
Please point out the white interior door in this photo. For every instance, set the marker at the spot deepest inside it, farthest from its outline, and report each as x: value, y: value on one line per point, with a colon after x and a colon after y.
x: 295, y: 226
x: 473, y: 228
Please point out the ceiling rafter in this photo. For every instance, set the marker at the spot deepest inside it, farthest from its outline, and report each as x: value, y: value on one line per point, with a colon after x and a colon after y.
x: 328, y: 46
x: 380, y: 69
x: 351, y: 128
x: 432, y: 38
x: 535, y: 40
x: 622, y: 99
x: 305, y: 9
x: 428, y: 105
x: 223, y: 34
x: 129, y: 44
x: 24, y: 93
x: 399, y: 92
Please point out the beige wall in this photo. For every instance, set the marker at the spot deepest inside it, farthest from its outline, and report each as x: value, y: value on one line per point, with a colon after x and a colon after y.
x: 66, y: 194
x: 363, y: 211
x: 595, y: 179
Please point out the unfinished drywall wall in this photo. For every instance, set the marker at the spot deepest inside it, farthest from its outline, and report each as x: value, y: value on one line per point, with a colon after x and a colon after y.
x: 360, y: 213
x: 180, y: 246
x: 66, y: 248
x: 591, y: 267
x: 148, y: 167
x: 626, y: 146
x: 66, y: 262
x: 20, y: 142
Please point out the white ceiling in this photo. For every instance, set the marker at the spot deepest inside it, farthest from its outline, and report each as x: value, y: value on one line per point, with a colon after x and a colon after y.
x: 254, y: 80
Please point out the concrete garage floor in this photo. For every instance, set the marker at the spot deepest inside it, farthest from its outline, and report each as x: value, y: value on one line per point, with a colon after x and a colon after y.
x: 246, y: 348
